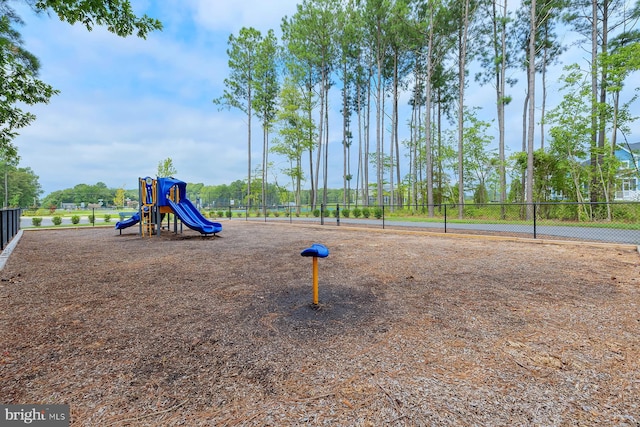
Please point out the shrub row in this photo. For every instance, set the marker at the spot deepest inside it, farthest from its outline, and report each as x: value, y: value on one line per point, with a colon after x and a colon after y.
x: 36, y: 221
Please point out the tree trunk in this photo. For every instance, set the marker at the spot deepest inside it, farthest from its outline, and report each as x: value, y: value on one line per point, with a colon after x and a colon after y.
x: 359, y: 178
x: 249, y: 114
x: 531, y: 73
x: 606, y: 180
x: 312, y: 193
x: 326, y: 144
x: 544, y: 84
x: 427, y: 119
x: 366, y: 139
x: 462, y: 57
x: 594, y: 193
x: 320, y: 134
x: 345, y: 124
x: 265, y: 152
x: 501, y: 84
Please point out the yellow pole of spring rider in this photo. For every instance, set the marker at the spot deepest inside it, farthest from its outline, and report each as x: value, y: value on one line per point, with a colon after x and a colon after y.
x: 315, y: 280
x: 316, y: 251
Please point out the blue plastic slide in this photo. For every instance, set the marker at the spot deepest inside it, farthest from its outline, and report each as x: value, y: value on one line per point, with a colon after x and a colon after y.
x: 133, y: 220
x: 189, y: 204
x: 192, y: 218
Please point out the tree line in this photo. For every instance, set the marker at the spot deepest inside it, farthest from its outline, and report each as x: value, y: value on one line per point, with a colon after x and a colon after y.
x: 206, y: 197
x: 370, y: 54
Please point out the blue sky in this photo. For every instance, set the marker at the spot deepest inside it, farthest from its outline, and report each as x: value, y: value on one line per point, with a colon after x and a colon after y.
x: 126, y: 104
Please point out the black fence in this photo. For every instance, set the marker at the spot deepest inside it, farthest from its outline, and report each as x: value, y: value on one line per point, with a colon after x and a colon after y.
x: 595, y: 222
x: 9, y: 225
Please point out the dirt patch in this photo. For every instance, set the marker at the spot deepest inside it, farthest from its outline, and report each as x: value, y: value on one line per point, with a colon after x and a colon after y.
x: 412, y: 329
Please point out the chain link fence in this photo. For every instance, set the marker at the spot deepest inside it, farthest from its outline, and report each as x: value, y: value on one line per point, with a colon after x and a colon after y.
x: 595, y: 222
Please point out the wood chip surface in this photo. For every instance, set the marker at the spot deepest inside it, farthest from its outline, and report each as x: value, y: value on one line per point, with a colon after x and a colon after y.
x: 412, y: 329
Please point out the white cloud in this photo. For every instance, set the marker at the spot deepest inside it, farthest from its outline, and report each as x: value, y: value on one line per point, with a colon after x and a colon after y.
x: 227, y: 16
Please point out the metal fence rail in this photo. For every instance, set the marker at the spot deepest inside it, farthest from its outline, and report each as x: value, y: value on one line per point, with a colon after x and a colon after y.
x: 9, y: 225
x: 597, y: 222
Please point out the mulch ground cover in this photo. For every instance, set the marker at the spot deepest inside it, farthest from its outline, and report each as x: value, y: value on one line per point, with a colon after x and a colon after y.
x: 415, y: 329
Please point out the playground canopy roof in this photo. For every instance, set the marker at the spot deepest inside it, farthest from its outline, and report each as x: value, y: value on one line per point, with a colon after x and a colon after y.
x: 164, y: 187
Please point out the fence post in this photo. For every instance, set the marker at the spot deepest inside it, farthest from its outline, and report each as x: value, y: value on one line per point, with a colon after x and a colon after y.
x: 445, y: 217
x: 338, y: 214
x: 383, y: 216
x: 2, y: 228
x: 321, y: 213
x: 535, y: 231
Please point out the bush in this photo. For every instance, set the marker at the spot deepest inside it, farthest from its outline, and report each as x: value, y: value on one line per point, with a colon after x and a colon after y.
x: 357, y: 212
x: 228, y: 214
x: 92, y: 219
x: 276, y: 214
x: 366, y: 212
x: 567, y: 212
x: 75, y: 219
x: 57, y: 220
x: 377, y: 212
x: 239, y: 214
x: 334, y: 213
x: 219, y: 214
x: 107, y: 217
x: 345, y: 213
x: 316, y: 213
x: 36, y: 221
x: 626, y: 213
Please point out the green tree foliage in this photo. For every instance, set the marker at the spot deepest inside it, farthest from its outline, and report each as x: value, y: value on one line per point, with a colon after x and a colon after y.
x: 166, y: 168
x: 266, y: 97
x: 296, y: 132
x: 119, y: 198
x: 239, y: 86
x: 115, y: 15
x: 372, y: 51
x: 82, y: 193
x: 571, y: 133
x: 599, y: 22
x: 479, y: 161
x: 23, y: 188
x: 310, y: 37
x: 19, y: 83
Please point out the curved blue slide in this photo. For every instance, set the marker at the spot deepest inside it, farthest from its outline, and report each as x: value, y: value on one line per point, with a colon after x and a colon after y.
x: 133, y: 220
x: 192, y: 218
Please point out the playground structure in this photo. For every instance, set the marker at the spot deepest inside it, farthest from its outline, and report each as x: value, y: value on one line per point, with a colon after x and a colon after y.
x: 161, y: 196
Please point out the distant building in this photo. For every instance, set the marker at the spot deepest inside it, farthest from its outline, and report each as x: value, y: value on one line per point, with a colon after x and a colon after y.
x: 629, y: 156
